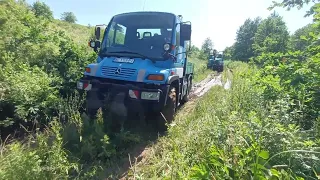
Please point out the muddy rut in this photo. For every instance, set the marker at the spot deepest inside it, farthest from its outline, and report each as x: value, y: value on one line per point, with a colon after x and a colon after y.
x: 137, y: 153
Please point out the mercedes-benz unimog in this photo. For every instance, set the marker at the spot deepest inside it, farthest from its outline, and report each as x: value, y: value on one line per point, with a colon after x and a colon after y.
x: 142, y: 66
x: 215, y: 61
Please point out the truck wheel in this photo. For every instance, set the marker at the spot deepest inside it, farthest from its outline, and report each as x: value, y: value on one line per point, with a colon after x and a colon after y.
x: 91, y: 112
x: 168, y: 111
x: 219, y: 69
x: 186, y: 96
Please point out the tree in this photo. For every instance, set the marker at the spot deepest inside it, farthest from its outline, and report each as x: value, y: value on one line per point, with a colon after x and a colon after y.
x: 244, y: 40
x: 207, y: 46
x: 294, y: 3
x: 194, y: 50
x: 228, y: 53
x: 69, y: 17
x: 299, y: 40
x: 271, y: 36
x: 41, y: 9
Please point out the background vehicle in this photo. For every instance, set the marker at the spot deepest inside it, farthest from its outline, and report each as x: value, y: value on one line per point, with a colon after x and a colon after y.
x: 215, y: 62
x: 142, y: 66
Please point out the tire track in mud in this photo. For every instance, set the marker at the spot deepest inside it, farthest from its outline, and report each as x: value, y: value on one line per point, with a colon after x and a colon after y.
x: 137, y: 154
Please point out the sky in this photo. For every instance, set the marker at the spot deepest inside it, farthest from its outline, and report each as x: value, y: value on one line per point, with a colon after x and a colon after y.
x: 218, y: 20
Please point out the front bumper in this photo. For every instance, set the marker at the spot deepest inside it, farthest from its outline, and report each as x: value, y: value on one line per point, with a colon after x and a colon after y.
x: 137, y: 96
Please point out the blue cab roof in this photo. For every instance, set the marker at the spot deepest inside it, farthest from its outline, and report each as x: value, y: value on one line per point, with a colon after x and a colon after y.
x: 144, y: 12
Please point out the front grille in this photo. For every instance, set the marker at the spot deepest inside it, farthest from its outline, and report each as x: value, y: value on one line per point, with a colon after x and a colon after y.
x: 124, y: 72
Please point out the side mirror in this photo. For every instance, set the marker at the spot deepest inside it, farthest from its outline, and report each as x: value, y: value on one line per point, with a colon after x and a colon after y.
x: 185, y: 32
x: 97, y: 32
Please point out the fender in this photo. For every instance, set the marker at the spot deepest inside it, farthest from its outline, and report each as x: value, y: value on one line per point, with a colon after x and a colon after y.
x: 172, y: 78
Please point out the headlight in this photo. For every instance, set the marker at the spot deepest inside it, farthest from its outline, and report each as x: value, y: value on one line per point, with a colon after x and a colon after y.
x: 166, y: 47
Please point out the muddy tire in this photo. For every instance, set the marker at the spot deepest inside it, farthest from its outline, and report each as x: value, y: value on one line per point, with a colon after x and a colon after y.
x: 186, y: 97
x: 168, y: 112
x: 91, y: 112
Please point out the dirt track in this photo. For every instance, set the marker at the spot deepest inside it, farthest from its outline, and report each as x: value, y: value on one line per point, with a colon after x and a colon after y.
x: 139, y: 151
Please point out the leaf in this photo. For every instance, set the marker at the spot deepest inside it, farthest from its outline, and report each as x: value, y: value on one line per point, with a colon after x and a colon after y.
x: 274, y: 172
x: 264, y: 154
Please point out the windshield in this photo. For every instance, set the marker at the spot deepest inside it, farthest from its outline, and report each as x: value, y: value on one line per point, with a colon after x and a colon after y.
x: 219, y: 56
x: 138, y: 35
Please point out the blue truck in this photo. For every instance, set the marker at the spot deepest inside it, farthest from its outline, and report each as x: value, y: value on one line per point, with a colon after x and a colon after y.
x: 215, y: 61
x: 142, y: 66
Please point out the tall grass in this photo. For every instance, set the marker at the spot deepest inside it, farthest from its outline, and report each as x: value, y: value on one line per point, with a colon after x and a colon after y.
x: 231, y: 134
x: 42, y: 157
x: 72, y: 146
x: 200, y: 71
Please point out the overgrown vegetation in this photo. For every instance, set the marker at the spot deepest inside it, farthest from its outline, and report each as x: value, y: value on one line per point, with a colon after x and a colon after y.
x: 265, y: 127
x: 39, y: 63
x: 234, y: 134
x: 41, y: 59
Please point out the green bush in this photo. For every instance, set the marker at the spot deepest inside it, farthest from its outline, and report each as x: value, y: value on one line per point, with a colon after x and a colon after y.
x: 40, y: 64
x: 43, y: 158
x: 234, y: 134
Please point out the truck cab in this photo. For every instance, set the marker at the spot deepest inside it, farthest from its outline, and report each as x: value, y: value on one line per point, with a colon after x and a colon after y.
x: 142, y: 65
x: 215, y: 61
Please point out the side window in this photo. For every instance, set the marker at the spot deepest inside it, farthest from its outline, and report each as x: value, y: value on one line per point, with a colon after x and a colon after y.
x: 178, y: 35
x: 120, y: 34
x: 116, y: 35
x: 179, y: 48
x: 110, y: 39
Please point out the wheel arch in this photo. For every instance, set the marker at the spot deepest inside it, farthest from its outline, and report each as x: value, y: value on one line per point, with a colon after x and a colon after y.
x: 174, y: 81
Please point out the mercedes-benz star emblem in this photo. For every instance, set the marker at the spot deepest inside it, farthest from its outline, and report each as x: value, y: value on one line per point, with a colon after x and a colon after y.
x: 118, y: 71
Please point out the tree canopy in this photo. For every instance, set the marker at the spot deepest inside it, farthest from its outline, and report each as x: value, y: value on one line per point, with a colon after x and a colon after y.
x: 41, y: 9
x: 245, y: 38
x: 207, y: 45
x: 69, y: 17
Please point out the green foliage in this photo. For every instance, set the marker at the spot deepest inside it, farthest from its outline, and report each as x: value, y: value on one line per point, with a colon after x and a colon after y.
x: 245, y: 38
x: 207, y: 46
x: 228, y: 53
x: 41, y: 9
x: 43, y: 158
x: 69, y: 17
x: 271, y: 36
x: 265, y: 127
x: 299, y: 41
x: 194, y: 50
x: 200, y: 71
x: 234, y: 134
x: 39, y: 63
x: 289, y: 4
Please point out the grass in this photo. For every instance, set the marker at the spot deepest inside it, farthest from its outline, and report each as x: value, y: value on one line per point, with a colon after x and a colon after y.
x: 79, y: 33
x: 200, y: 70
x: 81, y: 149
x: 229, y: 134
x: 226, y: 134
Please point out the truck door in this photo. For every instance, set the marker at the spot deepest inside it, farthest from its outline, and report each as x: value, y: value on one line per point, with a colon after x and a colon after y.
x: 178, y: 52
x: 180, y: 61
